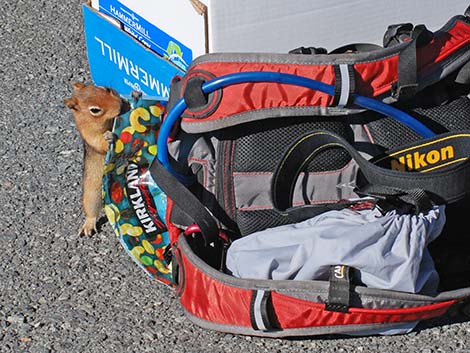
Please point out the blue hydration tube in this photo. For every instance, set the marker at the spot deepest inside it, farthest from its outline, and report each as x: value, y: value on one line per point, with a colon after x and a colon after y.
x: 260, y: 76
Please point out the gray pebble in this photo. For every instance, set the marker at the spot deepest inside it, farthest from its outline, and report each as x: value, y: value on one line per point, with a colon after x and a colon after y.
x: 16, y: 319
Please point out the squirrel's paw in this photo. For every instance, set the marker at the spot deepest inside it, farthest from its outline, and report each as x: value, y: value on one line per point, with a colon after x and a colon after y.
x: 110, y: 137
x: 89, y: 227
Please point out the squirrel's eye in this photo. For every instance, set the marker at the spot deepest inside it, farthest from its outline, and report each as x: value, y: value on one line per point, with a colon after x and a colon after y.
x: 95, y: 111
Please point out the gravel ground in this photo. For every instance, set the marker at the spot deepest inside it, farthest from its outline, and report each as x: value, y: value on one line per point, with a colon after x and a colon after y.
x: 64, y: 293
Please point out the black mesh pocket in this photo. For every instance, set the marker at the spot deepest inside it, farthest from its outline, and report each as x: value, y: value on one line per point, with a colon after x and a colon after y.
x: 257, y: 148
x: 257, y: 220
x: 442, y: 107
x: 262, y: 149
x: 391, y: 134
x: 452, y: 116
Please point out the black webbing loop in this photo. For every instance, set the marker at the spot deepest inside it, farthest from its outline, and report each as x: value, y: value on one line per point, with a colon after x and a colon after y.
x: 339, y: 289
x: 345, y: 49
x: 444, y: 161
x: 397, y: 33
x: 345, y: 85
x: 308, y: 50
x: 407, y: 84
x: 175, y: 91
x: 356, y: 48
x: 187, y: 202
x: 299, y: 214
x: 193, y: 94
x: 406, y: 201
x: 262, y: 315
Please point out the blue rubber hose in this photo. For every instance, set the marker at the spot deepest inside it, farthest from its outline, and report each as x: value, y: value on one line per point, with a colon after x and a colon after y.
x: 259, y: 76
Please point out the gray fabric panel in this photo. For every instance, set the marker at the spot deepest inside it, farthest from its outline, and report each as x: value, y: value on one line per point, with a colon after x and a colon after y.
x: 189, y: 149
x: 194, y: 149
x: 253, y: 190
x: 357, y: 301
x: 387, y: 252
x: 360, y: 133
x: 356, y: 330
x: 265, y: 113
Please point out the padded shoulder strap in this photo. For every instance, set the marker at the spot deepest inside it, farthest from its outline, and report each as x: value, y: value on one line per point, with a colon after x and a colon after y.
x: 439, y: 166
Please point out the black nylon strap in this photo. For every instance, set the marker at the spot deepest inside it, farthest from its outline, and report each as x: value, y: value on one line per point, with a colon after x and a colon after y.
x: 443, y: 161
x: 299, y: 214
x: 407, y: 85
x: 463, y: 77
x: 186, y: 201
x: 388, y: 198
x: 262, y: 315
x: 396, y: 34
x: 308, y: 50
x: 356, y: 48
x: 339, y: 289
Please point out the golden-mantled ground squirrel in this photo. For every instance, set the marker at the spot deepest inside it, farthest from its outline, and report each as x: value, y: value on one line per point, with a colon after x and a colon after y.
x: 93, y: 109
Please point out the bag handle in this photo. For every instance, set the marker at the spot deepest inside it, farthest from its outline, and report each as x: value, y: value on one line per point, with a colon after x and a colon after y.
x: 437, y: 168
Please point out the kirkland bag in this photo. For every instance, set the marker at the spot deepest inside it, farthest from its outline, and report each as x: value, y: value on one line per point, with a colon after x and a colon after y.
x: 256, y: 141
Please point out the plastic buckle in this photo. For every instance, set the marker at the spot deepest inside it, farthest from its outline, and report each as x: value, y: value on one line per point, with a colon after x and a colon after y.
x: 396, y: 34
x: 403, y: 92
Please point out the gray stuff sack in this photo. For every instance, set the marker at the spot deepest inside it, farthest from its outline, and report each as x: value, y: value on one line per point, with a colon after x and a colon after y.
x: 386, y: 251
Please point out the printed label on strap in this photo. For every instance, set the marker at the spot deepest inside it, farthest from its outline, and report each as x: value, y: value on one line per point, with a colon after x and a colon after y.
x: 338, y: 293
x: 431, y: 155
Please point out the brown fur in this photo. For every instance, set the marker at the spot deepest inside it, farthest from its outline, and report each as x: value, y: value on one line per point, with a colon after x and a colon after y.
x: 93, y: 109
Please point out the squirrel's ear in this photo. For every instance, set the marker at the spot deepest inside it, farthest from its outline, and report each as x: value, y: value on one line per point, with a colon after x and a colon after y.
x: 78, y: 86
x: 71, y: 103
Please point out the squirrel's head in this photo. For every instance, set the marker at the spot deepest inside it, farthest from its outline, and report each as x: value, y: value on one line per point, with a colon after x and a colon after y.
x: 95, y: 102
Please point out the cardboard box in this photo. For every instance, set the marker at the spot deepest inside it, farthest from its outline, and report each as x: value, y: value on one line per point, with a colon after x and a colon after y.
x: 117, y: 60
x: 281, y: 25
x: 195, y: 27
x: 161, y: 35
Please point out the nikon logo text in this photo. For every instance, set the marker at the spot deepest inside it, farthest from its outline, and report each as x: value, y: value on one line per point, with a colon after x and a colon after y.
x: 417, y: 160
